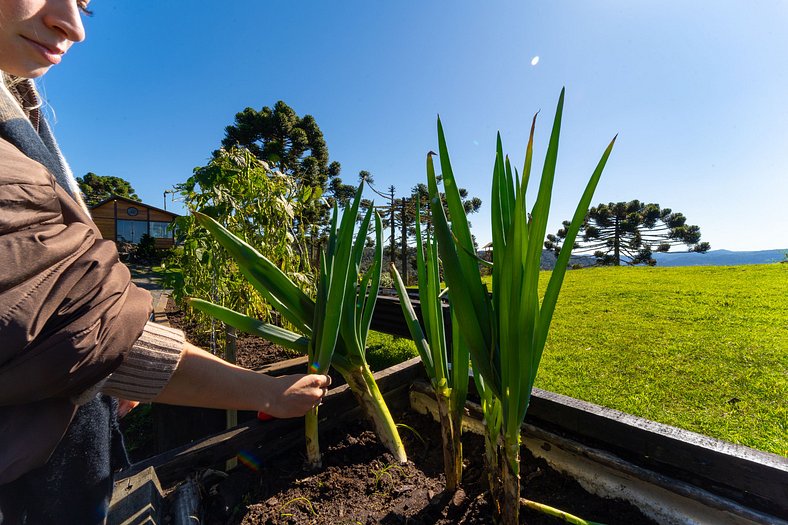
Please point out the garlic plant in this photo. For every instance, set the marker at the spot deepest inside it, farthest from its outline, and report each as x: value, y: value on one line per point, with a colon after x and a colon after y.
x: 333, y: 327
x: 505, y: 331
x: 449, y: 377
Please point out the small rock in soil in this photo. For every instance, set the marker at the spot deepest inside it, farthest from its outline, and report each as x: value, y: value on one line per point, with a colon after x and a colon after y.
x: 459, y: 498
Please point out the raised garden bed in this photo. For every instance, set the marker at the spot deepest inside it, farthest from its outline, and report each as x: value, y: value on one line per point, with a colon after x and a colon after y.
x: 671, y: 475
x: 573, y: 450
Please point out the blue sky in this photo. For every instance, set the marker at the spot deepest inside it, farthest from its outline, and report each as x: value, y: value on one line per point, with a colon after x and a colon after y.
x: 695, y: 90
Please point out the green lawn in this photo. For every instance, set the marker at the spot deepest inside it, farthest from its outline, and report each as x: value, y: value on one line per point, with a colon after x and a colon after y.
x: 701, y: 348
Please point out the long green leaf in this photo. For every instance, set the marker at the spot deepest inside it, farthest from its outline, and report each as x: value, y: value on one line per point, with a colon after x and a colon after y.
x: 434, y: 306
x: 355, y: 294
x: 265, y: 276
x: 248, y: 325
x: 460, y: 366
x: 414, y: 327
x: 529, y: 298
x: 460, y: 229
x: 372, y: 292
x: 339, y: 269
x: 557, y: 277
x: 476, y: 323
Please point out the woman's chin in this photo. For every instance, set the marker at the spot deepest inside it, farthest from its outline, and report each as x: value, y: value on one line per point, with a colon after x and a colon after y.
x: 32, y: 71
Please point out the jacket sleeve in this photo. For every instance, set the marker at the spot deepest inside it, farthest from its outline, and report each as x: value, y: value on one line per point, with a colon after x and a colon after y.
x: 68, y: 310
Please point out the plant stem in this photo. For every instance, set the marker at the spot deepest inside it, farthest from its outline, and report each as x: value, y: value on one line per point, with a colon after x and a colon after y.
x: 452, y: 455
x: 313, y: 458
x: 510, y: 478
x: 556, y: 513
x: 363, y: 385
x: 456, y: 426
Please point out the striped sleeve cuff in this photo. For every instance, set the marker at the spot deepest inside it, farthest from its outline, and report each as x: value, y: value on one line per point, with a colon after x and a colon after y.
x: 148, y: 366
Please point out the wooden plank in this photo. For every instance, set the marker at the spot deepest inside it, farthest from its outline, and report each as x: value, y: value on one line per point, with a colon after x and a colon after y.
x: 160, y: 216
x: 297, y: 365
x: 388, y: 318
x: 106, y: 210
x: 136, y: 499
x: 754, y: 478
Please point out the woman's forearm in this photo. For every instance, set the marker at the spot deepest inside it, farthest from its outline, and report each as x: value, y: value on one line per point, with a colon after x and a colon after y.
x: 204, y: 380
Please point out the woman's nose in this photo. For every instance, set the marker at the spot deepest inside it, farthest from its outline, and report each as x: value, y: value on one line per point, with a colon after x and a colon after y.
x: 64, y: 17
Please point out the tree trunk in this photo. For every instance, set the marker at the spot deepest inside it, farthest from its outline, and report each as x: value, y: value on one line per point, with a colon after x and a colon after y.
x: 617, y: 243
x: 404, y: 231
x: 365, y: 389
x: 393, y: 240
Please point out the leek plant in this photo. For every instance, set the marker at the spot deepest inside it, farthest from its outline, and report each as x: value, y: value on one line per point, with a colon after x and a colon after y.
x: 506, y: 330
x: 449, y: 378
x: 332, y: 328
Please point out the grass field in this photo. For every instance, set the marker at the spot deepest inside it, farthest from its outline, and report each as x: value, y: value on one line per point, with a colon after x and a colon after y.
x: 701, y: 348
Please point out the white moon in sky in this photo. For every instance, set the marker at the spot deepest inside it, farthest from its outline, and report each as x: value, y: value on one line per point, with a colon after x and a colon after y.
x: 535, y: 60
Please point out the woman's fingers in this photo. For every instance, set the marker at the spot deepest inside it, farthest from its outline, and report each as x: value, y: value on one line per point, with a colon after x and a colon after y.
x: 299, y: 394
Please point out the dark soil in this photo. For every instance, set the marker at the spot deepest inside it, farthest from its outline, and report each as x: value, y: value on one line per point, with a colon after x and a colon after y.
x: 361, y: 483
x: 251, y: 351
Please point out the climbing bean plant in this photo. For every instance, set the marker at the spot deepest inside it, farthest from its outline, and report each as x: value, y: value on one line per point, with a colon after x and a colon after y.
x: 258, y: 203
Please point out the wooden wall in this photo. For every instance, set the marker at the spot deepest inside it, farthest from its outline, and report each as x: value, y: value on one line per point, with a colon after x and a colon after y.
x: 105, y: 215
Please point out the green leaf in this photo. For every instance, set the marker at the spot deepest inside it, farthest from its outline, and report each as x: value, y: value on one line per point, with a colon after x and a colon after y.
x: 416, y: 333
x: 469, y: 299
x: 342, y: 274
x: 371, y: 293
x: 265, y: 276
x: 248, y: 325
x: 559, y: 271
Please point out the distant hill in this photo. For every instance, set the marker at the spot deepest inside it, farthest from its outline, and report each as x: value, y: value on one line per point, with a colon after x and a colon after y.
x: 549, y: 258
x: 719, y: 258
x: 710, y: 258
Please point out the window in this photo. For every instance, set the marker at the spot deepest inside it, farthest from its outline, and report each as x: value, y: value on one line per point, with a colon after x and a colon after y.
x: 131, y: 231
x: 160, y: 230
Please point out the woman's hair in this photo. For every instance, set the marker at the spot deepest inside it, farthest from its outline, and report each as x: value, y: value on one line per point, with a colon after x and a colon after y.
x: 10, y: 80
x: 19, y: 91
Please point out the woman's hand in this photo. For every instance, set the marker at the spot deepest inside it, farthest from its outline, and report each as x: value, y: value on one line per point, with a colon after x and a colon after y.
x: 294, y: 395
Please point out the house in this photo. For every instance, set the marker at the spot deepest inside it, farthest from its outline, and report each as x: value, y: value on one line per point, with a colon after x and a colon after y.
x: 127, y: 220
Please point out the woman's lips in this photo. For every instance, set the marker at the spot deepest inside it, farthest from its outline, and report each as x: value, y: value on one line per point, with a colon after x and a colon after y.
x: 52, y: 55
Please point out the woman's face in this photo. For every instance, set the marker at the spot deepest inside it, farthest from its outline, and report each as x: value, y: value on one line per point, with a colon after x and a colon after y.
x: 35, y: 34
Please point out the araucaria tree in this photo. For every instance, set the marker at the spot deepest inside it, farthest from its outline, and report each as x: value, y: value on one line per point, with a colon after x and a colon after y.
x: 280, y: 137
x: 630, y: 232
x: 294, y: 146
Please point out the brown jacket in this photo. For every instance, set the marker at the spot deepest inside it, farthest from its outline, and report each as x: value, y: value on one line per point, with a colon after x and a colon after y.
x: 68, y: 312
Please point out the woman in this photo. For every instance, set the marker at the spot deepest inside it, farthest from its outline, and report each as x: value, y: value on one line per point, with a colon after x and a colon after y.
x: 73, y: 329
